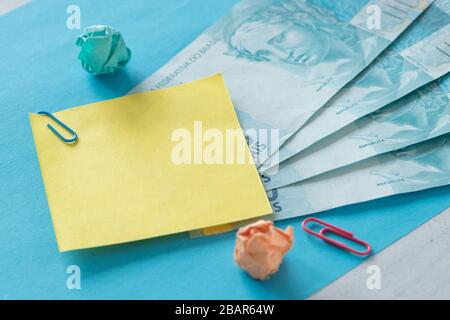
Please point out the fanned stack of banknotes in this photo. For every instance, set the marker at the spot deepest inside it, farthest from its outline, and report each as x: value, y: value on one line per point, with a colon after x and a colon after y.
x: 347, y: 100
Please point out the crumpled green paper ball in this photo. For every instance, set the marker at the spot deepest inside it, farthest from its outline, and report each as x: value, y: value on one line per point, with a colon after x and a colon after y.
x: 103, y: 50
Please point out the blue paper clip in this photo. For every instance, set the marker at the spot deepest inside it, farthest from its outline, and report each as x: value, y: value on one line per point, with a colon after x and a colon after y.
x: 74, y: 134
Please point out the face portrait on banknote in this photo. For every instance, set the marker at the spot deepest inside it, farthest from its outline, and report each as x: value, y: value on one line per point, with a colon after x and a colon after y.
x: 285, y: 38
x: 302, y: 38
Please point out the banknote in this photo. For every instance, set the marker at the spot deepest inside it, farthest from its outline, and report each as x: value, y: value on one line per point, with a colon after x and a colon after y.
x: 421, y: 54
x: 419, y: 116
x: 284, y: 59
x: 417, y: 167
x: 421, y: 166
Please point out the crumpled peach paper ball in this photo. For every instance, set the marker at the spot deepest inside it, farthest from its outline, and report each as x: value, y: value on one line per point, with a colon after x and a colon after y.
x: 260, y: 248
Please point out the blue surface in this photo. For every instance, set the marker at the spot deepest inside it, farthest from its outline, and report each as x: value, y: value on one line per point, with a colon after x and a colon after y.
x: 39, y: 71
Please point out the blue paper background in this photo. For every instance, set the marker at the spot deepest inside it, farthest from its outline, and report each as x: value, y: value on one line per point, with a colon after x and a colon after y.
x: 39, y: 71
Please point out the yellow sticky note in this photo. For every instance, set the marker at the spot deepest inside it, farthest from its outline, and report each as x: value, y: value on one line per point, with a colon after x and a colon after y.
x: 127, y: 177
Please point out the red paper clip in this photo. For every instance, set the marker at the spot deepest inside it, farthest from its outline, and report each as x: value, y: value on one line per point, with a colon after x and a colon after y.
x: 337, y: 231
